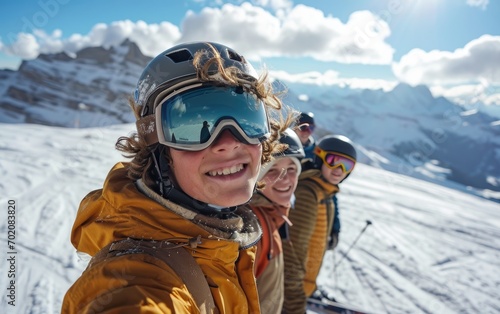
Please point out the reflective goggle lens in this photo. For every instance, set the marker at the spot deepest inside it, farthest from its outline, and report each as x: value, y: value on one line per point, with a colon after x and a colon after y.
x: 191, y: 120
x: 335, y: 160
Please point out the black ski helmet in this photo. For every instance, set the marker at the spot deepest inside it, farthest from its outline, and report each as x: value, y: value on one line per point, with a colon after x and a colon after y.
x: 295, y: 148
x: 174, y: 68
x: 306, y: 117
x: 336, y: 144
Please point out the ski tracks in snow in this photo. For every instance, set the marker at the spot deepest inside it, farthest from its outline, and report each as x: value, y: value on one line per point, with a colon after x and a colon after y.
x: 48, y: 186
x: 424, y: 253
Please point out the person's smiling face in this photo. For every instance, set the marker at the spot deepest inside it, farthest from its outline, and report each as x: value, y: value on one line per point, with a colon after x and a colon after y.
x: 334, y: 176
x: 280, y: 185
x: 303, y: 135
x: 224, y: 174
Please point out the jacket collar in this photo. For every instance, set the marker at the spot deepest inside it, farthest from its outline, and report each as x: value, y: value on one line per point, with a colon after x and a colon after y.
x: 240, y: 226
x: 315, y: 175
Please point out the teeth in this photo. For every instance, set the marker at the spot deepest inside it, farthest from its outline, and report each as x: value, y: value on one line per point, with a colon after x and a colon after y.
x: 226, y: 171
x: 283, y: 189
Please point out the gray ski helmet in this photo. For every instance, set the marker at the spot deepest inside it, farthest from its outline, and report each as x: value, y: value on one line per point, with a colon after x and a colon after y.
x: 174, y: 67
x: 295, y: 148
x: 336, y: 144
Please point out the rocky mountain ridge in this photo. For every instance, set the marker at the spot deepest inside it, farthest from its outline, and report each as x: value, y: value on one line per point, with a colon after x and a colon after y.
x: 86, y: 90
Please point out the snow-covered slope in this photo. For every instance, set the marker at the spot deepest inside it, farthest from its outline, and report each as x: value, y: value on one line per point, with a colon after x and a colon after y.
x: 430, y: 249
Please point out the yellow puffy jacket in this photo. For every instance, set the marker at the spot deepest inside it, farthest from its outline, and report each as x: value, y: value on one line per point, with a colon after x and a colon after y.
x: 141, y: 283
x: 312, y: 219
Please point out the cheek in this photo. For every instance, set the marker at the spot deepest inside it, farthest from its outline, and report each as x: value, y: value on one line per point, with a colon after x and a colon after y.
x: 294, y: 183
x: 256, y: 152
x: 325, y: 171
x: 185, y: 165
x: 267, y: 191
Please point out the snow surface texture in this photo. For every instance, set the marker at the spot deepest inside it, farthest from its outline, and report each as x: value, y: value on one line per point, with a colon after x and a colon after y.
x: 430, y: 249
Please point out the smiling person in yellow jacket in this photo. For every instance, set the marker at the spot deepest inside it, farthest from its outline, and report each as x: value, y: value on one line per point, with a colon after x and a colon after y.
x: 271, y: 204
x: 312, y: 217
x: 173, y: 210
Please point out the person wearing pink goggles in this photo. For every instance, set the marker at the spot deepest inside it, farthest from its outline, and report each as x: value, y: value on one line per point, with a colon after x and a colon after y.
x: 312, y: 217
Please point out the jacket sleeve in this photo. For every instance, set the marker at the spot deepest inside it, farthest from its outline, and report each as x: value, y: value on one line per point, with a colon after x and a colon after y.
x: 133, y: 283
x: 303, y: 217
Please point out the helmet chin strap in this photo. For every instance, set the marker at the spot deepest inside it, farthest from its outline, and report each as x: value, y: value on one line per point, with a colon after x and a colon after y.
x: 168, y: 190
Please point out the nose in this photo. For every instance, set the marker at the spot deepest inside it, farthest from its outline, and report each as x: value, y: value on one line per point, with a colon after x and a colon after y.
x: 225, y: 142
x: 338, y: 170
x: 283, y: 174
x: 286, y: 178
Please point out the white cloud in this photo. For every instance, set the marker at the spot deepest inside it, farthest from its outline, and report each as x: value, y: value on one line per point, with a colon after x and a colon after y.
x: 26, y: 46
x: 492, y: 100
x: 49, y: 43
x: 478, y: 3
x: 276, y: 5
x: 470, y: 95
x: 461, y: 94
x: 151, y: 38
x: 304, y: 31
x: 246, y: 27
x: 300, y: 31
x: 317, y: 78
x: 330, y: 77
x: 476, y: 62
x: 303, y: 97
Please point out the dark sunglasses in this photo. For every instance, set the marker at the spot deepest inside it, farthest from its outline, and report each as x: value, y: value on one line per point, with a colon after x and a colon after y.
x: 307, y: 127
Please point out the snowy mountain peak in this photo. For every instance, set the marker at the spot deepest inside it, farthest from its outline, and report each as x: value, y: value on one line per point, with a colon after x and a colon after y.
x: 99, y: 54
x: 49, y: 89
x: 422, y: 90
x: 62, y: 56
x: 407, y: 129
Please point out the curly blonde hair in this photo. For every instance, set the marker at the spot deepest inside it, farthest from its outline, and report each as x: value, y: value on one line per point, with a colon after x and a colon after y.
x: 280, y: 117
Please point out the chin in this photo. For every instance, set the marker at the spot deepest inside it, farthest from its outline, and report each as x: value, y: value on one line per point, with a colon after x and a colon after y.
x: 233, y: 200
x: 335, y: 181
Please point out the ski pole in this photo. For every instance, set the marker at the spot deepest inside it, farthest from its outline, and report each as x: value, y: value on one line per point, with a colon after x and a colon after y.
x: 368, y: 222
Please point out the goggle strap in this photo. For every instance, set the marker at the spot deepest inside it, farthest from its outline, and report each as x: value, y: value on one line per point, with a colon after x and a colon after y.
x: 146, y: 127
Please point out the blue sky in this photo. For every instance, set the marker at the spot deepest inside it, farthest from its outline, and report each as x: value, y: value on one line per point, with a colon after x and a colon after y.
x: 453, y: 46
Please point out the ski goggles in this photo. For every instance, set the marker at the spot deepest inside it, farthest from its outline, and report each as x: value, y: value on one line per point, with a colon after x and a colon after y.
x: 307, y: 127
x: 335, y: 160
x: 192, y: 117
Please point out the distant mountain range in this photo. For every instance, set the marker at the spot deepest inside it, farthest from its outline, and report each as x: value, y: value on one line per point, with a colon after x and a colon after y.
x: 406, y: 130
x: 89, y: 89
x: 409, y: 131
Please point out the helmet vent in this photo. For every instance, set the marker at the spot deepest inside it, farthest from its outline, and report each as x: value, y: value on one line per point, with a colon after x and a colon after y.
x: 182, y: 55
x: 234, y: 56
